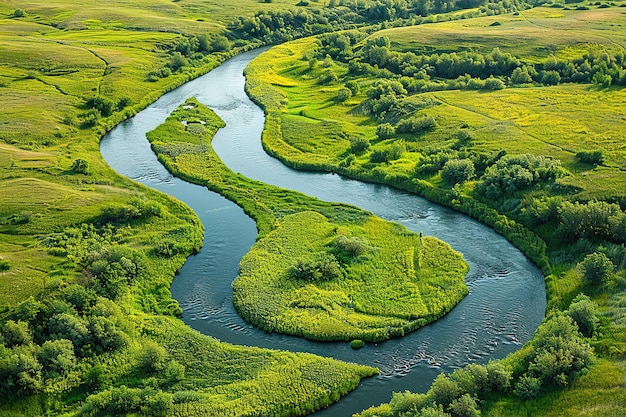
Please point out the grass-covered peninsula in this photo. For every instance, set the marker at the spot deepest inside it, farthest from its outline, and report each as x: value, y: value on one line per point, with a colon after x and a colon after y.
x: 508, y: 120
x: 321, y: 270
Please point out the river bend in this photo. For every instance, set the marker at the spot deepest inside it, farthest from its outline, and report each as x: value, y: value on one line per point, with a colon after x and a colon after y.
x: 507, y: 296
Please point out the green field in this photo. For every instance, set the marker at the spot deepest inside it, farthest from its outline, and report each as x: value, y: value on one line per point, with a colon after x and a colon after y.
x: 378, y: 280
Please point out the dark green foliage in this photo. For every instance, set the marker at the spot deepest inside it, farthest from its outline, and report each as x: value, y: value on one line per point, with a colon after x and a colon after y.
x: 20, y: 372
x: 527, y: 387
x: 385, y: 131
x: 560, y: 353
x: 520, y: 75
x: 104, y: 105
x: 323, y: 267
x: 388, y: 154
x: 160, y: 73
x: 359, y: 145
x: 596, y: 268
x: 4, y: 265
x: 16, y: 333
x: 457, y: 171
x: 123, y: 400
x: 464, y: 406
x: 595, y: 219
x: 17, y: 13
x: 177, y: 61
x: 90, y: 119
x: 444, y: 390
x: 595, y: 157
x: 343, y: 94
x: 550, y: 77
x: 80, y: 166
x: 417, y: 125
x: 57, y: 358
x: 220, y: 43
x: 70, y: 327
x: 585, y: 314
x: 135, y: 209
x: 492, y: 83
x: 517, y: 172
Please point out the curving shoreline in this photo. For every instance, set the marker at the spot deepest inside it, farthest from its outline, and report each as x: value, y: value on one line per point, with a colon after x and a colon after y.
x: 476, y: 330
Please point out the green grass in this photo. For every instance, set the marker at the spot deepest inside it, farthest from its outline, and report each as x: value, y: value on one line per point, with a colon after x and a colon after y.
x: 400, y: 283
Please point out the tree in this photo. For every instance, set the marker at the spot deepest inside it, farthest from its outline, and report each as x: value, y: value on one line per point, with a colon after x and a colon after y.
x: 385, y: 131
x: 585, y: 313
x: 596, y: 268
x: 457, y: 171
x: 521, y: 76
x: 464, y: 406
x: 359, y: 145
x: 527, y: 387
x: 16, y: 333
x: 80, y: 166
x: 444, y: 390
x: 550, y: 77
x: 152, y: 358
x: 343, y: 94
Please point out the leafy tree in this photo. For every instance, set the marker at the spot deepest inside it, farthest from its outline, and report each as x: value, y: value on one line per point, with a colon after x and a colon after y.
x: 57, y: 357
x: 177, y: 61
x: 16, y: 333
x: 464, y: 406
x: 521, y: 76
x: 499, y: 376
x: 220, y: 43
x: 457, y: 171
x: 527, y: 387
x: 585, y: 314
x: 444, y: 390
x: 80, y: 166
x: 595, y: 157
x: 20, y: 372
x: 343, y: 94
x: 324, y: 267
x: 596, y: 268
x: 152, y: 358
x: 385, y: 131
x: 550, y: 77
x: 359, y: 145
x: 492, y: 83
x: 70, y: 327
x: 104, y: 105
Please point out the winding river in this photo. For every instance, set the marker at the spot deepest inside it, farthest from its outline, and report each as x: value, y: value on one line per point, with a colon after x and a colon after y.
x: 507, y: 294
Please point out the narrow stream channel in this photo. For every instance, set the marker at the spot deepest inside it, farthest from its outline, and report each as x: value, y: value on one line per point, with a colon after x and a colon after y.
x: 507, y: 294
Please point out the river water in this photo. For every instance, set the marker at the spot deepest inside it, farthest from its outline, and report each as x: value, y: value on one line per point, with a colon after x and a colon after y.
x: 507, y: 296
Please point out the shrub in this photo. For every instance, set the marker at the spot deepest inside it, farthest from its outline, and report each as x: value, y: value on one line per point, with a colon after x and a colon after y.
x: 80, y: 166
x: 359, y: 145
x: 385, y: 131
x: 343, y: 94
x: 322, y: 268
x: 152, y: 358
x: 591, y: 157
x: 357, y: 344
x: 527, y: 387
x: 416, y: 125
x: 585, y: 314
x: 104, y: 105
x: 4, y: 265
x: 464, y: 406
x: 492, y: 83
x: 596, y: 268
x: 457, y: 171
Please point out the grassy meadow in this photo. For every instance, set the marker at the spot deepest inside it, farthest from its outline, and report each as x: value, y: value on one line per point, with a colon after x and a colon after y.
x: 418, y: 130
x: 360, y: 277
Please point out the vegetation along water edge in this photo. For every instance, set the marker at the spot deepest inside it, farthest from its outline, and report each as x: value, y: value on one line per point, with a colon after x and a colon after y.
x: 88, y: 325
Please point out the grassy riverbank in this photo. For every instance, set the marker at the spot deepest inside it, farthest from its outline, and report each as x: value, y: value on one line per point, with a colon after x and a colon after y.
x: 389, y: 108
x: 321, y: 270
